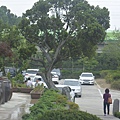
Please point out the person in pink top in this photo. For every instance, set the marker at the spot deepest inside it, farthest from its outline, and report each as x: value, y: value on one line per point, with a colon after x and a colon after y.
x: 106, y: 95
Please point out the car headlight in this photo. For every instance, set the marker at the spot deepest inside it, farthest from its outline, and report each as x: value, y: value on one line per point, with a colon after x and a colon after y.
x: 91, y: 79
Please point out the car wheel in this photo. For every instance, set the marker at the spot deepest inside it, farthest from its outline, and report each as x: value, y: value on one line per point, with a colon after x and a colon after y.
x: 79, y: 95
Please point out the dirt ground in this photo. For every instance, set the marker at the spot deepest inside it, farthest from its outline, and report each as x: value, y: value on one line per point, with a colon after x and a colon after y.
x: 102, y: 83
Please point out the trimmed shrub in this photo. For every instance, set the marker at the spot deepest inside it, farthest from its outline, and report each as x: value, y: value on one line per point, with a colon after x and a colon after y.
x: 50, y: 100
x: 67, y: 115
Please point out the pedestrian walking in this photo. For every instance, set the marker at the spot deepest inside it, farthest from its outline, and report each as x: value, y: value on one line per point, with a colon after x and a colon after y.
x: 106, y: 104
x: 29, y: 82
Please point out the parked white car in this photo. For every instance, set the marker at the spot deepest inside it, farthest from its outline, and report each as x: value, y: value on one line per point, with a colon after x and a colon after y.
x: 75, y: 85
x: 55, y: 78
x: 72, y: 94
x: 86, y: 78
x: 57, y: 72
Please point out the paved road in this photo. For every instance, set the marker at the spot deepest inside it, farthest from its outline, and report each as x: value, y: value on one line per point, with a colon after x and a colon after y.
x: 92, y: 102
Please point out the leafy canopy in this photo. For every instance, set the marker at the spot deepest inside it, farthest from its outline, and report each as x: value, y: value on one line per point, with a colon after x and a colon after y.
x: 75, y: 25
x: 64, y: 29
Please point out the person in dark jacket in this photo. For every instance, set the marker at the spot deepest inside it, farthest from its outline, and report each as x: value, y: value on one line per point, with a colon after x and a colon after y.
x: 106, y: 95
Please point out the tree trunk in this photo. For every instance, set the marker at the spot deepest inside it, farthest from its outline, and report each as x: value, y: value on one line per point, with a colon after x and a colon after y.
x: 48, y: 80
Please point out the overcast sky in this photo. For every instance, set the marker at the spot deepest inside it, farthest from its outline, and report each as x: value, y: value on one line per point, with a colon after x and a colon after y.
x: 20, y: 6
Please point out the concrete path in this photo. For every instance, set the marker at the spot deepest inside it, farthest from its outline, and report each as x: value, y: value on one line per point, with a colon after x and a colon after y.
x: 20, y: 103
x: 16, y: 107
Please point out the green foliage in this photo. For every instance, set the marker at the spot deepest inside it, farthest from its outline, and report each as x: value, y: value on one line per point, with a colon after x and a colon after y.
x: 113, y: 77
x: 73, y: 106
x: 116, y: 85
x: 109, y: 78
x: 110, y: 58
x: 18, y: 78
x: 63, y: 35
x: 9, y: 76
x: 50, y: 100
x: 69, y: 73
x: 96, y: 74
x: 103, y: 73
x: 67, y: 115
x: 117, y: 114
x: 116, y: 75
x: 26, y: 51
x: 38, y: 89
x: 7, y: 17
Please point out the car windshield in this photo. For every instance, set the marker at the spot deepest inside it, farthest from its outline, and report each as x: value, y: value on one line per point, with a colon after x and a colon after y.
x: 71, y: 83
x: 86, y: 75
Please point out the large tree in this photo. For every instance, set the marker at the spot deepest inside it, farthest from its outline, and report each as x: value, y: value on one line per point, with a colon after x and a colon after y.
x: 14, y: 49
x: 7, y: 17
x: 63, y: 29
x: 110, y: 57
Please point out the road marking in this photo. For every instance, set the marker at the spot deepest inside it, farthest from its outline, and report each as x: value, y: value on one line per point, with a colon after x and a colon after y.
x: 100, y: 92
x: 99, y: 89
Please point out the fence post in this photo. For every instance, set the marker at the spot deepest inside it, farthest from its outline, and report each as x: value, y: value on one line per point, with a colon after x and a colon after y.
x: 115, y: 106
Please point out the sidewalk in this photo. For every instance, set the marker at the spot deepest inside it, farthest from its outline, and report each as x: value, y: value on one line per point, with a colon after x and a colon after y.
x: 20, y: 103
x: 16, y: 107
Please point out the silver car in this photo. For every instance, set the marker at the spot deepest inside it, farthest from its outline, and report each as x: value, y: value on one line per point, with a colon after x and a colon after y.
x: 75, y: 85
x: 72, y: 94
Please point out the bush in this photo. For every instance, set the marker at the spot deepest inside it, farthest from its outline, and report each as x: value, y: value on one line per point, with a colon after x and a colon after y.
x: 110, y: 75
x: 18, y: 78
x: 96, y: 74
x: 116, y: 75
x: 73, y: 106
x: 50, y: 100
x: 67, y: 115
x: 109, y: 78
x: 103, y: 73
x: 115, y: 85
x: 117, y: 114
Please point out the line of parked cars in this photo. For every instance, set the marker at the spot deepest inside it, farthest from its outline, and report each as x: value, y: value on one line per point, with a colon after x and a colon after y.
x: 33, y: 74
x: 74, y: 84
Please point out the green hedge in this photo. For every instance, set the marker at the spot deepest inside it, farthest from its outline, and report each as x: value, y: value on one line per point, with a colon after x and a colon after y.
x: 67, y: 115
x: 50, y: 100
x: 54, y: 106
